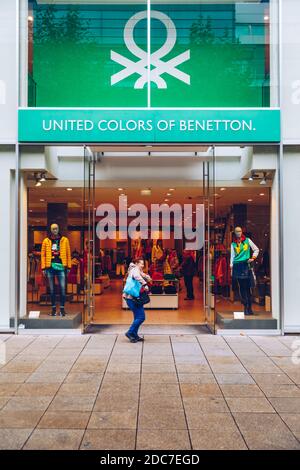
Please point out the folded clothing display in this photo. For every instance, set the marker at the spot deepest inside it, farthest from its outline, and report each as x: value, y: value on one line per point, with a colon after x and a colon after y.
x: 170, y: 289
x: 156, y: 289
x: 170, y: 277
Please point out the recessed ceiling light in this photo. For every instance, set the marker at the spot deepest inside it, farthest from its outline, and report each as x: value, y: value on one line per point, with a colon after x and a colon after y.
x: 169, y: 194
x: 120, y: 189
x: 166, y: 200
x: 261, y: 194
x: 250, y: 200
x: 69, y: 189
x: 222, y: 189
x: 171, y: 189
x: 42, y: 200
x: 146, y: 192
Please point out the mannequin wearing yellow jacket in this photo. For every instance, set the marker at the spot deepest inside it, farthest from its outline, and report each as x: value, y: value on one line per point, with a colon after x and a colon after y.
x: 56, y: 263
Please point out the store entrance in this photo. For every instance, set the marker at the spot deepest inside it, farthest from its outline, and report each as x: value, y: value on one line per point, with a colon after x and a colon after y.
x: 178, y: 261
x: 214, y: 189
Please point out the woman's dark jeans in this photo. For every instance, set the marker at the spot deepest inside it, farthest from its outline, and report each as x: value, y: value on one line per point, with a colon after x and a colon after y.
x: 138, y: 315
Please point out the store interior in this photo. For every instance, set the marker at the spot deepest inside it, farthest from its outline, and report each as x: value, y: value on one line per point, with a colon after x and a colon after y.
x: 248, y: 207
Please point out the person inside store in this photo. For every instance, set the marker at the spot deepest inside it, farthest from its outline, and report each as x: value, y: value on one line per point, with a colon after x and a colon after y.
x: 188, y: 270
x: 56, y: 263
x: 240, y: 264
x: 135, y: 270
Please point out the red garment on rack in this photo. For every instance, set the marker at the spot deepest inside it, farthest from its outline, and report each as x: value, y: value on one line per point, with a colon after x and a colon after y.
x: 221, y: 271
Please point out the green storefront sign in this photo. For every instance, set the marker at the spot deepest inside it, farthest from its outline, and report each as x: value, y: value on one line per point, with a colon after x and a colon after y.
x: 200, y: 54
x: 149, y: 125
x: 179, y: 72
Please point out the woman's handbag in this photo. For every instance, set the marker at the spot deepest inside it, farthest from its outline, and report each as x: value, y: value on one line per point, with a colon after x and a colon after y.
x: 132, y: 287
x: 143, y: 299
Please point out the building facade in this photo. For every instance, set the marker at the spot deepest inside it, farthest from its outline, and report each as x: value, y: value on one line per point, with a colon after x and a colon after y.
x: 195, y: 102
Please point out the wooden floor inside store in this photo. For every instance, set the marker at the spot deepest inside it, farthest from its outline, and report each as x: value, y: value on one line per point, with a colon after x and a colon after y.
x: 108, y: 308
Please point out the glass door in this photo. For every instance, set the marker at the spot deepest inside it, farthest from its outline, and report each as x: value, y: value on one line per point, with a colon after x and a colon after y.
x: 89, y: 237
x: 209, y: 220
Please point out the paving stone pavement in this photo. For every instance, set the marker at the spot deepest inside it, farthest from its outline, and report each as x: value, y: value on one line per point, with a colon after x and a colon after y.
x: 171, y: 392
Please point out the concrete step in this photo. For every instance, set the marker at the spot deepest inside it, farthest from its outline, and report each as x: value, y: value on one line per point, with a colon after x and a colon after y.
x: 258, y: 321
x: 72, y: 320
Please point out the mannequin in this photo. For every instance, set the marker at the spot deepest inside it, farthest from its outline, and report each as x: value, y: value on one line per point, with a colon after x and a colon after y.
x: 240, y: 261
x: 56, y: 262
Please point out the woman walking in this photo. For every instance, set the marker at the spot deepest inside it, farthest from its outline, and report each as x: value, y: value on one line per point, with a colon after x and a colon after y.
x: 135, y: 271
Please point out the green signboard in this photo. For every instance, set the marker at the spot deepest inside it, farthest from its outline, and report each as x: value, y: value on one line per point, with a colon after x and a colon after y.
x: 200, y: 54
x: 149, y: 125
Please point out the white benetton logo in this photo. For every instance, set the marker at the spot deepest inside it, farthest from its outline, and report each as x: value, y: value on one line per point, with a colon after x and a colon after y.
x: 159, y: 66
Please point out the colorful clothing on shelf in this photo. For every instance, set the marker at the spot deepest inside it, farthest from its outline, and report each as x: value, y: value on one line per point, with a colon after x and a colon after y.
x: 157, y: 253
x: 167, y: 267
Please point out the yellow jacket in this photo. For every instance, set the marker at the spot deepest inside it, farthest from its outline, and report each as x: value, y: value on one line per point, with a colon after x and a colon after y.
x: 46, y: 253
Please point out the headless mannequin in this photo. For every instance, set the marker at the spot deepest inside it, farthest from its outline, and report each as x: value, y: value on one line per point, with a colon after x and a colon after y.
x: 56, y: 263
x: 240, y: 270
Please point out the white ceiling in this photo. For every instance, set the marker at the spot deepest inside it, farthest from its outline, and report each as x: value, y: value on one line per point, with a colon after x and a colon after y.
x: 182, y: 195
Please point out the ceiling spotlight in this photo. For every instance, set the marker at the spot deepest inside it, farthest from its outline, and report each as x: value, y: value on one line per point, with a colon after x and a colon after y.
x: 171, y: 189
x: 222, y: 189
x: 120, y: 189
x: 261, y: 194
x: 38, y: 183
x: 250, y: 177
x: 166, y: 200
x: 42, y: 200
x: 146, y: 192
x: 250, y: 200
x: 69, y: 189
x: 169, y: 194
x: 43, y: 177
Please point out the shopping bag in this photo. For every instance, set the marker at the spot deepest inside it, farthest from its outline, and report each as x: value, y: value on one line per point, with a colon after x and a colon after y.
x: 132, y: 287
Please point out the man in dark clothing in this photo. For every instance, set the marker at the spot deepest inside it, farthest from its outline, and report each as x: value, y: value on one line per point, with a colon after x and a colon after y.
x: 188, y: 269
